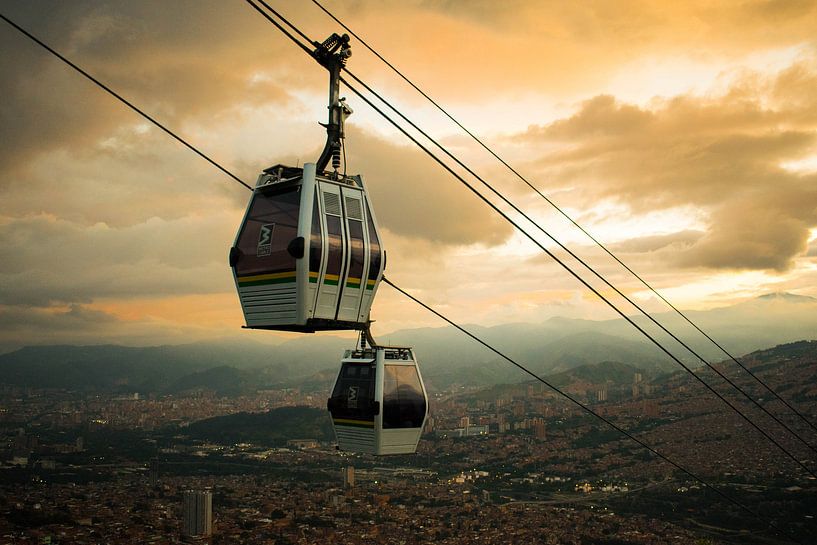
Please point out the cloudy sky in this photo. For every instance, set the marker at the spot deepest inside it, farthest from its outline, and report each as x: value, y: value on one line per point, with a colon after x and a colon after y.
x: 681, y: 134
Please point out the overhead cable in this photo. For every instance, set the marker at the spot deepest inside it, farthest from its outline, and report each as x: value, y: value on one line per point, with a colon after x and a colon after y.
x: 528, y: 235
x: 743, y: 507
x: 581, y: 405
x: 568, y: 217
x: 124, y: 101
x: 585, y: 264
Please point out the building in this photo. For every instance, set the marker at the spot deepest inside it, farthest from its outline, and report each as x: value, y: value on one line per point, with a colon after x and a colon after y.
x: 198, y: 513
x: 539, y: 429
x: 349, y: 477
x: 154, y: 472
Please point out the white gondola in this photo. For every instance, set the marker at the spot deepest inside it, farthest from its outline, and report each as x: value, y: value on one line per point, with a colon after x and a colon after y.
x: 379, y: 403
x: 307, y: 256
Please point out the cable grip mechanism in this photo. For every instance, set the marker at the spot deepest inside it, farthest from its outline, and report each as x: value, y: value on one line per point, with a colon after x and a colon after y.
x: 332, y: 54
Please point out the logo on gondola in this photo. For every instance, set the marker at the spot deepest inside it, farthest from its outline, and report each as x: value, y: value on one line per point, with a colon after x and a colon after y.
x: 265, y: 240
x: 351, y: 399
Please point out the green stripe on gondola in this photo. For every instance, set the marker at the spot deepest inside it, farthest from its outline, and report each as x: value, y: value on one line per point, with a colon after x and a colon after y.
x: 352, y: 284
x: 266, y: 279
x: 330, y: 282
x: 353, y: 423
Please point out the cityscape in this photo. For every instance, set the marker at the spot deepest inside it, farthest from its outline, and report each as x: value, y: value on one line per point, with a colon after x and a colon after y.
x: 408, y: 272
x: 508, y: 463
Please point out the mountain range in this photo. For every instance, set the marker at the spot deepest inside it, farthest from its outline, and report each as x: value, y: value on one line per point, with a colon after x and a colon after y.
x: 446, y: 356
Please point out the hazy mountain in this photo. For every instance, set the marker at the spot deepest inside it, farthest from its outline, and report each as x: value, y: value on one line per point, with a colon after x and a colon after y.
x: 446, y: 356
x: 272, y: 428
x: 156, y: 368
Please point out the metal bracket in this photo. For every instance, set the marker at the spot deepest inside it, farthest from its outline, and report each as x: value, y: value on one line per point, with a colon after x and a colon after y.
x: 366, y: 336
x: 332, y: 54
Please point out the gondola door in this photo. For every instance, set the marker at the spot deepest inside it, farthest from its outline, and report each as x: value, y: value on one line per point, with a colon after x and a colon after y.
x: 354, y: 281
x: 334, y: 254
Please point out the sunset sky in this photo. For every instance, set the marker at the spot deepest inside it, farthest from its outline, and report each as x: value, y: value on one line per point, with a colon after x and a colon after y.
x: 681, y: 134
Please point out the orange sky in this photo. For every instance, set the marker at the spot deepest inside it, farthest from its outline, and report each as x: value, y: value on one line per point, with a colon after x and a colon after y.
x: 683, y: 135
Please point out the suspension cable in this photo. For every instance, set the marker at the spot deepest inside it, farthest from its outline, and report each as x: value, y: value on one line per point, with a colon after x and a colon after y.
x: 743, y: 507
x: 536, y: 242
x: 566, y: 216
x: 124, y: 101
x: 583, y: 263
x: 584, y: 282
x: 575, y: 401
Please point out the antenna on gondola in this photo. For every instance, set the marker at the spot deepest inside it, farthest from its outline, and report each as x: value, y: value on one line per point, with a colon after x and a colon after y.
x: 332, y: 54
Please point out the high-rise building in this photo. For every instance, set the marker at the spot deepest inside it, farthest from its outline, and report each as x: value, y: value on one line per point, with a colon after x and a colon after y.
x: 349, y: 477
x: 198, y: 513
x: 154, y: 472
x: 637, y: 378
x: 601, y: 394
x: 539, y: 430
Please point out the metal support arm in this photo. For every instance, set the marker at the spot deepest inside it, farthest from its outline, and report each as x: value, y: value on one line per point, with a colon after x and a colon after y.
x: 332, y: 54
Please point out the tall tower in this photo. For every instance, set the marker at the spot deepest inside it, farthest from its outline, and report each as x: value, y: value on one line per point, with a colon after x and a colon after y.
x: 349, y: 477
x: 154, y: 472
x: 198, y: 513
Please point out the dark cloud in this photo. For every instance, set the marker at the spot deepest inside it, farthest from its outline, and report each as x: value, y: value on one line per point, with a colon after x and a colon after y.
x: 176, y: 61
x: 757, y: 233
x: 49, y: 261
x: 414, y: 197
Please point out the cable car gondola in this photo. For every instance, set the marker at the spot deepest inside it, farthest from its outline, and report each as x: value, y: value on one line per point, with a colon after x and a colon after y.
x: 307, y: 256
x: 379, y: 404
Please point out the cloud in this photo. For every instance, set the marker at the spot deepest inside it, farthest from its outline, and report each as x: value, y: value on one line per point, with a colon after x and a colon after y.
x: 414, y: 197
x: 46, y: 261
x: 721, y: 154
x: 176, y: 62
x: 768, y: 232
x: 681, y: 239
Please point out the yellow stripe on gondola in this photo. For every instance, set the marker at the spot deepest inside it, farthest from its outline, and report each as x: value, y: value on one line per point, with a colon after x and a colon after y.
x: 371, y: 283
x: 272, y: 276
x: 313, y: 274
x: 331, y: 277
x: 365, y: 423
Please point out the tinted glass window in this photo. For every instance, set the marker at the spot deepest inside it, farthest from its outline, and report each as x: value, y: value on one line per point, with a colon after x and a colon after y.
x: 375, y: 250
x: 353, y: 396
x: 271, y: 225
x: 403, y: 403
x: 356, y: 263
x: 315, y: 244
x: 335, y: 257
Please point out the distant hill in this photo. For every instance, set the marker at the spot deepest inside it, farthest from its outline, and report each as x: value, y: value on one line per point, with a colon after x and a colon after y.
x: 223, y: 380
x: 606, y: 372
x: 597, y: 373
x: 446, y: 356
x: 273, y: 428
x: 157, y: 369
